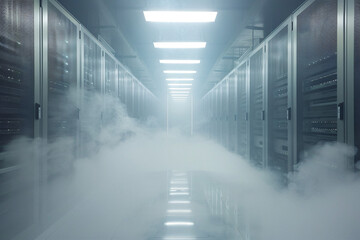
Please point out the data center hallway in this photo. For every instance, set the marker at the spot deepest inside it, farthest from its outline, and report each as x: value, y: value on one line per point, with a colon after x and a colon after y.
x: 179, y: 120
x: 131, y: 192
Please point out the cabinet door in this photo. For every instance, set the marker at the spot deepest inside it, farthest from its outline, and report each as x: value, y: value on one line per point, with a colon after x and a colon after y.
x: 16, y: 115
x: 63, y: 113
x: 278, y: 76
x: 316, y: 67
x: 257, y: 108
x: 357, y: 78
x: 243, y: 111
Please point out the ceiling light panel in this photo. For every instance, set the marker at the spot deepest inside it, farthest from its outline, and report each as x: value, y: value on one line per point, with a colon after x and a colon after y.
x: 179, y: 79
x: 180, y: 16
x: 179, y: 72
x: 180, y: 61
x: 180, y: 84
x: 180, y: 45
x: 180, y: 88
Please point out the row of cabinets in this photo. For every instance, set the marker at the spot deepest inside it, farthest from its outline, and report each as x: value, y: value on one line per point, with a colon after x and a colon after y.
x: 58, y: 83
x: 297, y: 89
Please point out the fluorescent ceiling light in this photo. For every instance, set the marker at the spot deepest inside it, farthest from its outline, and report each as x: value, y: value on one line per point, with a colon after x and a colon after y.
x: 179, y: 71
x: 180, y: 84
x: 179, y: 95
x: 180, y: 61
x: 180, y: 45
x: 180, y: 16
x: 179, y: 188
x: 179, y: 211
x: 180, y: 91
x: 179, y: 88
x: 179, y: 202
x: 179, y: 224
x: 180, y: 238
x: 179, y: 79
x: 179, y: 194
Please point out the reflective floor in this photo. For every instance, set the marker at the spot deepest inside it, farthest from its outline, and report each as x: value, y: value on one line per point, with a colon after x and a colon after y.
x: 179, y: 212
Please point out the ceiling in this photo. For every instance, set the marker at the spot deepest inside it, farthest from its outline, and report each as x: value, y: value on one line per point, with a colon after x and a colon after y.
x: 121, y: 23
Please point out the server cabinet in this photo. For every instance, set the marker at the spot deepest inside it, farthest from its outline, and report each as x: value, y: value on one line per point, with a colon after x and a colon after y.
x: 357, y: 78
x: 16, y: 114
x: 90, y: 115
x: 243, y: 96
x: 316, y: 74
x: 61, y: 74
x: 279, y: 108
x: 257, y: 112
x: 218, y: 113
x: 225, y: 113
x: 232, y: 112
x: 129, y: 93
x: 110, y: 88
x: 136, y: 99
x: 121, y: 84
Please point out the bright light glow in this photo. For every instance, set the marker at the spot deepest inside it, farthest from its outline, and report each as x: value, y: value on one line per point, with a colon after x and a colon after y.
x: 179, y: 238
x: 180, y: 16
x: 179, y: 88
x: 178, y: 182
x: 188, y: 92
x: 179, y: 224
x: 180, y: 61
x: 179, y: 79
x: 180, y: 84
x: 180, y: 44
x: 179, y: 202
x: 179, y: 188
x: 179, y: 211
x: 179, y: 194
x: 179, y: 72
x: 180, y: 95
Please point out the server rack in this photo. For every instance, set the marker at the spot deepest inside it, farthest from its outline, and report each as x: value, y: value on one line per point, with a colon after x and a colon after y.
x: 257, y: 109
x: 129, y: 91
x: 91, y: 85
x: 17, y: 91
x: 316, y: 74
x: 121, y: 84
x: 357, y: 78
x: 243, y: 106
x: 352, y: 73
x: 213, y: 114
x: 225, y: 112
x: 233, y: 112
x: 218, y: 114
x: 278, y: 100
x: 61, y: 53
x: 136, y: 99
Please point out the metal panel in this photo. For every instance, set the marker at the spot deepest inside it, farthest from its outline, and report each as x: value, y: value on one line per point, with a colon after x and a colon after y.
x: 257, y: 112
x: 356, y: 68
x: 16, y: 114
x: 233, y: 112
x: 225, y: 112
x: 316, y: 74
x: 90, y: 118
x: 110, y: 76
x: 62, y: 74
x: 121, y: 84
x: 243, y: 110
x: 278, y: 101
